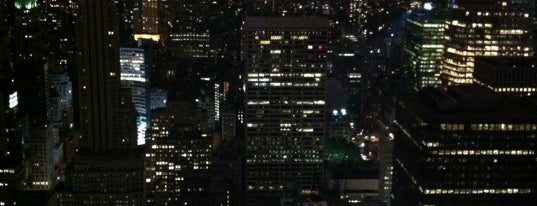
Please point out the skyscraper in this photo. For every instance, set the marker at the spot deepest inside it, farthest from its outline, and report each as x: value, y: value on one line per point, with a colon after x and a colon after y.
x: 423, y: 48
x: 484, y: 28
x: 107, y: 169
x: 97, y: 76
x: 134, y: 75
x: 285, y: 62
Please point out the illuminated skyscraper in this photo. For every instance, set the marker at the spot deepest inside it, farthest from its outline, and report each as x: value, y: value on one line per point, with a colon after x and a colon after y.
x: 423, y: 47
x: 484, y: 28
x: 285, y: 60
x: 134, y: 75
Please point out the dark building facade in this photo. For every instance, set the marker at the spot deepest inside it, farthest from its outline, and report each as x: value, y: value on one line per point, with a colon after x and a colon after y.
x: 464, y: 146
x: 516, y: 75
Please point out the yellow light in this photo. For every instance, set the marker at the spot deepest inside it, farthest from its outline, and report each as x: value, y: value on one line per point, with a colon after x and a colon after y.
x: 154, y: 37
x: 264, y: 42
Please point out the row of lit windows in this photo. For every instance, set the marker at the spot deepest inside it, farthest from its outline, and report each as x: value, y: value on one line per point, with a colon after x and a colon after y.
x: 286, y: 74
x: 316, y: 102
x: 10, y: 171
x: 491, y: 127
x: 283, y: 160
x: 478, y: 191
x: 504, y: 127
x: 288, y: 84
x: 483, y: 152
x: 514, y: 89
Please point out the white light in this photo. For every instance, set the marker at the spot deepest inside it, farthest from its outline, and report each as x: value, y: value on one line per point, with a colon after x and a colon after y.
x: 13, y: 100
x: 428, y: 6
x: 343, y: 112
x: 334, y: 112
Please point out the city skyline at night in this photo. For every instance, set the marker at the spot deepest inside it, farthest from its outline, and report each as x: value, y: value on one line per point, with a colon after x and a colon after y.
x: 268, y: 102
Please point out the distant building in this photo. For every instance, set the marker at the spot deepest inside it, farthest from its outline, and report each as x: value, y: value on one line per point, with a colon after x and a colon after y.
x: 285, y: 62
x: 135, y: 76
x: 187, y: 28
x: 346, y: 66
x: 46, y: 152
x: 354, y: 182
x: 229, y: 124
x: 464, y: 146
x: 178, y: 157
x: 150, y: 17
x: 157, y: 99
x: 423, y: 47
x: 484, y: 28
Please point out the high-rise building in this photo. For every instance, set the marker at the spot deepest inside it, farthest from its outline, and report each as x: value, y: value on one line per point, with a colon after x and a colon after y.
x: 357, y: 14
x: 107, y: 169
x: 187, y: 28
x: 150, y: 16
x: 98, y: 76
x: 345, y: 65
x: 285, y: 60
x: 178, y: 156
x: 423, y: 47
x: 229, y: 124
x: 135, y: 76
x: 45, y: 156
x: 484, y: 28
x: 464, y: 146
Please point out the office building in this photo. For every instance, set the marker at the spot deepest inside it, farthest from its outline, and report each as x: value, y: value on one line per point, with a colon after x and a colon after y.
x: 285, y: 60
x: 423, y: 47
x: 46, y: 154
x: 150, y: 17
x: 284, y: 8
x: 464, y: 146
x: 484, y: 28
x: 178, y: 156
x: 107, y: 178
x: 346, y: 70
x: 134, y: 76
x: 187, y: 31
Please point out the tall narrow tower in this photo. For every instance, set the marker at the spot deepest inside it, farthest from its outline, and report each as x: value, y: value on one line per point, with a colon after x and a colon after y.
x: 98, y: 75
x: 285, y: 60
